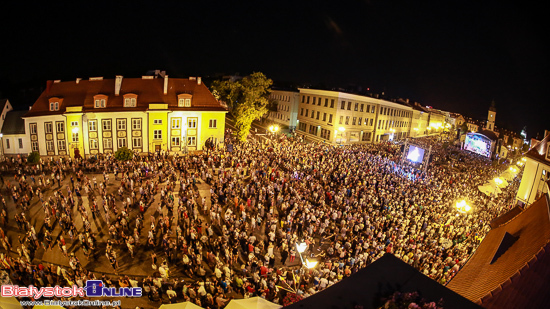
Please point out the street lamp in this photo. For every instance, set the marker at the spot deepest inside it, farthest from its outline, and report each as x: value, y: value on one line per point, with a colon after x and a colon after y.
x: 274, y: 128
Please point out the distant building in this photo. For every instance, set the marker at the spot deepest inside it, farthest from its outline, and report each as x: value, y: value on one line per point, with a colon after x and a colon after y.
x: 14, y: 141
x: 285, y: 109
x: 148, y: 114
x: 344, y: 118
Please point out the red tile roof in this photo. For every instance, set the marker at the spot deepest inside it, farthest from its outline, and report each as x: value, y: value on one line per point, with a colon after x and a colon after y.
x: 147, y: 90
x: 518, y: 270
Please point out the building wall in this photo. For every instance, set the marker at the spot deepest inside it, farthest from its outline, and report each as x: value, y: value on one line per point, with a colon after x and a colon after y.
x: 287, y: 108
x: 13, y: 141
x: 419, y: 123
x: 532, y: 183
x: 345, y: 118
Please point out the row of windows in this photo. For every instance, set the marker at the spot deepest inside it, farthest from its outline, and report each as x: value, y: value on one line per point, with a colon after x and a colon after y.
x: 20, y: 141
x: 313, y: 115
x: 355, y: 121
x: 394, y: 112
x: 392, y: 124
x: 136, y: 124
x: 318, y: 101
x: 100, y: 101
x: 280, y: 97
x: 358, y: 107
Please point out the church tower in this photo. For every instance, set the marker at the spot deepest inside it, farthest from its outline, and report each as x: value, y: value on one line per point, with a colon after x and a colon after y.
x: 491, y: 117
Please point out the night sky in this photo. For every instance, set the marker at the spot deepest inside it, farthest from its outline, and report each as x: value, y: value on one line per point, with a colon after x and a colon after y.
x: 455, y: 56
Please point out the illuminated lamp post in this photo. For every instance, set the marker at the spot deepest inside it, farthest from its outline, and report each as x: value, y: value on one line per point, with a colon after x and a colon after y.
x: 392, y: 130
x: 301, y: 248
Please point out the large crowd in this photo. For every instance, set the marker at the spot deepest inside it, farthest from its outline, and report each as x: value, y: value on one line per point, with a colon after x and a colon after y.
x: 349, y: 204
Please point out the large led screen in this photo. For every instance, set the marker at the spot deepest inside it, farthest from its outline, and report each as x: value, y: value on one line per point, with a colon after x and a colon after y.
x: 478, y: 143
x: 416, y: 154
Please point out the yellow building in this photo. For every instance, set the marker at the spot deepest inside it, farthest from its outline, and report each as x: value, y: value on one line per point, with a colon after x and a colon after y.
x: 148, y: 114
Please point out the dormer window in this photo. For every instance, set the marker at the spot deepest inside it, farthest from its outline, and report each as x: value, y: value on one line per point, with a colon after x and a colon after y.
x: 55, y: 103
x: 100, y: 101
x: 130, y: 100
x: 184, y: 100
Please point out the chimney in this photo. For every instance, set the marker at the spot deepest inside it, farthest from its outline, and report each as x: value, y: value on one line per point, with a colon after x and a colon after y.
x: 118, y: 84
x: 49, y: 86
x: 199, y: 80
x: 78, y: 80
x: 165, y: 84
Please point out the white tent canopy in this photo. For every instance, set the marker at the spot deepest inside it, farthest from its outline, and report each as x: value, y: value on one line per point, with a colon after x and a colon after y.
x: 184, y: 305
x: 251, y: 303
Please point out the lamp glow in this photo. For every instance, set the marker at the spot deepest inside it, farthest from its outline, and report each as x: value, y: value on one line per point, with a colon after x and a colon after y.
x: 75, y: 130
x: 341, y: 129
x: 463, y: 207
x: 301, y: 247
x: 310, y: 264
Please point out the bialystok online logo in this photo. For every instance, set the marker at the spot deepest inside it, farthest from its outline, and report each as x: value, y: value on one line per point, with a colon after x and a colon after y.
x: 93, y: 288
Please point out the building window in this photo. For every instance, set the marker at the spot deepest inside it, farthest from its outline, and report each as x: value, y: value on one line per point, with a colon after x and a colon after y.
x: 175, y: 141
x: 107, y: 143
x: 354, y: 121
x: 349, y: 106
x: 54, y: 106
x: 136, y: 124
x: 21, y: 143
x: 130, y: 102
x: 360, y: 122
x: 75, y: 137
x: 7, y: 144
x: 371, y: 120
x: 356, y: 107
x: 60, y: 126
x: 34, y: 146
x: 303, y: 98
x: 343, y: 105
x: 121, y: 124
x: 99, y: 103
x: 213, y: 123
x: 331, y: 103
x: 330, y: 118
x: 341, y: 120
x: 32, y: 127
x: 318, y: 114
x: 362, y: 107
x: 136, y: 142
x: 307, y: 112
x: 157, y: 134
x: 48, y: 127
x: 176, y: 122
x: 373, y: 109
x: 314, y: 98
x: 74, y: 123
x: 61, y: 145
x: 121, y: 142
x: 347, y: 120
x: 324, y: 116
x: 301, y: 111
x: 157, y: 121
x: 326, y: 102
x: 191, y: 141
x: 49, y: 146
x: 307, y: 102
x: 192, y: 123
x: 106, y: 124
x: 93, y: 144
x: 92, y: 125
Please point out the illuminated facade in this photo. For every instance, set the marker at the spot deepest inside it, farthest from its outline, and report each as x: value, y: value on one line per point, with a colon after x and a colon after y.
x: 534, y: 181
x: 90, y: 117
x: 344, y: 118
x: 286, y: 108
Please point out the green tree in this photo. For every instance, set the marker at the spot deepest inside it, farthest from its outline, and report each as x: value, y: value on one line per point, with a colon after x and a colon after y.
x: 124, y: 154
x: 463, y: 128
x: 247, y: 100
x: 34, y: 157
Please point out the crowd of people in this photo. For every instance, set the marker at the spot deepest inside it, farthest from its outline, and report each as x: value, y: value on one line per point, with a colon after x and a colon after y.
x: 237, y: 238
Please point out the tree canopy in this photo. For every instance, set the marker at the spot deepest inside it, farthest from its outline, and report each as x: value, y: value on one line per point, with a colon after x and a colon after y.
x: 247, y: 99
